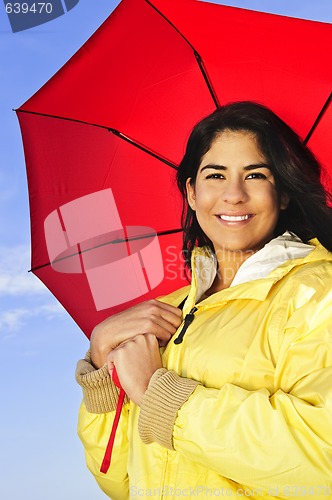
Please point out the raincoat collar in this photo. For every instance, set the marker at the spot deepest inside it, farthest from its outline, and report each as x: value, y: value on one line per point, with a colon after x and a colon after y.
x: 263, y: 269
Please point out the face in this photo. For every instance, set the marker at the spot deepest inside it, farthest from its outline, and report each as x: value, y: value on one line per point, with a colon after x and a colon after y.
x: 234, y: 195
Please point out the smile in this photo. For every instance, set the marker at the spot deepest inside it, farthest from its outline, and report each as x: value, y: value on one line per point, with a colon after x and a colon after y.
x: 234, y: 218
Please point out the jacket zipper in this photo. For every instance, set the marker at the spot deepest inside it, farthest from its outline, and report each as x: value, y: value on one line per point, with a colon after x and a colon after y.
x: 187, y: 321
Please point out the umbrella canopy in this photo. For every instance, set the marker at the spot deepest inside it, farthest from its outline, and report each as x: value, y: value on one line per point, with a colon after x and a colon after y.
x: 104, y: 136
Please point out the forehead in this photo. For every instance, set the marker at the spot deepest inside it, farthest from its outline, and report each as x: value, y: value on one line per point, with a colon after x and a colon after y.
x: 240, y: 139
x: 233, y: 147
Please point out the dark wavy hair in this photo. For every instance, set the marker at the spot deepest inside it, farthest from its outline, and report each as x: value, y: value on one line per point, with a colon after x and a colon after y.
x: 296, y: 171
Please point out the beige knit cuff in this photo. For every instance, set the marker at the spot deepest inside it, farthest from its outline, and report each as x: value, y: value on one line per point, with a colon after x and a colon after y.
x: 166, y: 393
x: 99, y: 392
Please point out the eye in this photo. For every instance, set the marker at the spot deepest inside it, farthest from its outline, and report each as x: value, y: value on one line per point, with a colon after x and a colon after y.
x: 256, y: 175
x: 215, y: 176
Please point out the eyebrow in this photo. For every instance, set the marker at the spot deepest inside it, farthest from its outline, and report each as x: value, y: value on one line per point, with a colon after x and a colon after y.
x: 254, y: 166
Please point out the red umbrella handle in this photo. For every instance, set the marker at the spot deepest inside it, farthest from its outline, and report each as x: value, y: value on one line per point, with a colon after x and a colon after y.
x: 115, y: 378
x: 109, y: 448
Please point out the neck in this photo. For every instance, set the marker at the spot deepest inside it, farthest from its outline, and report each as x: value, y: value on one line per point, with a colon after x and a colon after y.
x: 229, y: 263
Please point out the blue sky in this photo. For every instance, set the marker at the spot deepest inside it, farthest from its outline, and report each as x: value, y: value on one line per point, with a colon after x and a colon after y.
x: 41, y: 457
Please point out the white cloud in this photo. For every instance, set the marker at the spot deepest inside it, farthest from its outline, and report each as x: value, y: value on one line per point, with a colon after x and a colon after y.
x: 22, y: 292
x: 12, y: 320
x: 14, y: 276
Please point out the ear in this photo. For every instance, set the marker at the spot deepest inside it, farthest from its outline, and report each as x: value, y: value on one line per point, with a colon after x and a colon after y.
x: 284, y: 201
x: 191, y: 198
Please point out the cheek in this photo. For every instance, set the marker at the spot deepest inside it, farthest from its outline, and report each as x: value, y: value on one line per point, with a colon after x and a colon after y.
x: 267, y: 199
x: 206, y: 196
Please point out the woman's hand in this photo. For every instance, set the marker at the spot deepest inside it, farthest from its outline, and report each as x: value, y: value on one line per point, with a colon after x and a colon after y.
x: 135, y: 361
x: 152, y: 316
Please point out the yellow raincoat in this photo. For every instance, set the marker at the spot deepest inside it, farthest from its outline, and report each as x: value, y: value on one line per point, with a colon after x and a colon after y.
x: 243, y: 407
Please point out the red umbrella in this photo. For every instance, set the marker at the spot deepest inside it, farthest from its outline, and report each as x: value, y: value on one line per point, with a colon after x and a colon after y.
x: 103, y: 137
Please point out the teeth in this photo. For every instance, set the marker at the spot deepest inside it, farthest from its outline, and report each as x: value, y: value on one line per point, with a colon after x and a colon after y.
x: 234, y: 218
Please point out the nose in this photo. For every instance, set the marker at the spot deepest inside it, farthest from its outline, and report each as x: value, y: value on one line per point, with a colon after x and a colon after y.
x: 234, y: 192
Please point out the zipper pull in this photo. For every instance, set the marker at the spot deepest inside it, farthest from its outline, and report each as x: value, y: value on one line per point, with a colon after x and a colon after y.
x: 187, y: 321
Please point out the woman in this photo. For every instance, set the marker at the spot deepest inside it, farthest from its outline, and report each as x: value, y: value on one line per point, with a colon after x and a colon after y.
x: 238, y: 402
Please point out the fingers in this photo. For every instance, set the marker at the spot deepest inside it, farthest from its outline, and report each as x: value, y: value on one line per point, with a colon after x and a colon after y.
x: 156, y: 310
x: 150, y: 317
x: 173, y: 313
x: 135, y: 361
x: 167, y: 317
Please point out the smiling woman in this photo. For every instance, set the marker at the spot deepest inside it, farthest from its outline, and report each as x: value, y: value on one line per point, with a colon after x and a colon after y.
x: 235, y: 200
x: 238, y: 400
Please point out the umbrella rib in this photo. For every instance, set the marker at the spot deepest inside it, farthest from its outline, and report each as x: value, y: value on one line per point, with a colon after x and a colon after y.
x: 142, y: 148
x: 119, y: 240
x: 196, y: 54
x: 318, y: 119
x: 115, y: 132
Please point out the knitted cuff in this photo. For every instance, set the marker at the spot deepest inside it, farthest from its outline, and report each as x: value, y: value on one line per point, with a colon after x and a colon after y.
x: 99, y: 392
x: 166, y: 393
